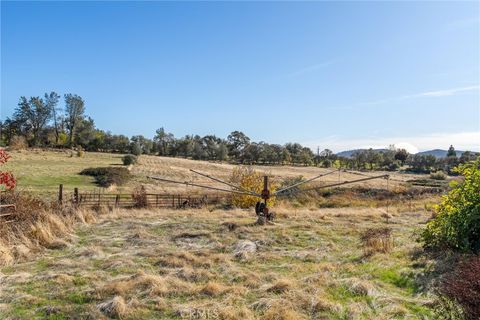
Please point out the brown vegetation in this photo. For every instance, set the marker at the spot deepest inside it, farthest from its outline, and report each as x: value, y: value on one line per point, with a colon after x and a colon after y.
x: 140, y: 197
x: 18, y: 143
x: 462, y: 286
x: 155, y: 264
x: 35, y: 224
x: 376, y: 240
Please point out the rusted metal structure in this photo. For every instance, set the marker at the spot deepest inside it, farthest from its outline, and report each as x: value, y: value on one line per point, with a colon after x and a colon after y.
x: 261, y: 209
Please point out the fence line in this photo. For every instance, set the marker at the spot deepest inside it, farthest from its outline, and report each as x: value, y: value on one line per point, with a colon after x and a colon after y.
x: 129, y: 200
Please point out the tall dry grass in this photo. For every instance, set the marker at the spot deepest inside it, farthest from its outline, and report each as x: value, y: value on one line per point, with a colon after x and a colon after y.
x: 35, y: 224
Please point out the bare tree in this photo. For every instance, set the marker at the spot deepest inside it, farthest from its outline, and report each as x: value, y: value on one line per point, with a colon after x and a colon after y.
x: 52, y: 100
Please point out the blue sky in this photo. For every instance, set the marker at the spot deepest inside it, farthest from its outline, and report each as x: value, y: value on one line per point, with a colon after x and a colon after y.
x: 330, y: 74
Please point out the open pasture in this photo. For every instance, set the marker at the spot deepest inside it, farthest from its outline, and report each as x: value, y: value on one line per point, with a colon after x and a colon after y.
x: 41, y: 172
x: 312, y: 262
x: 201, y: 264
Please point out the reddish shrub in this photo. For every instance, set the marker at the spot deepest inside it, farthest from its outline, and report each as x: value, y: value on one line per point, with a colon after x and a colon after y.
x: 4, y: 156
x: 6, y: 178
x: 463, y: 287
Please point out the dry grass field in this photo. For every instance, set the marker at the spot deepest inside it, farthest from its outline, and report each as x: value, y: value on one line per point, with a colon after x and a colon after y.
x: 202, y: 264
x: 210, y: 263
x: 42, y: 171
x: 179, y: 169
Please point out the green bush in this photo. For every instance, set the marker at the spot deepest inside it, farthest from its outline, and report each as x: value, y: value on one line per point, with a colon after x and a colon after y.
x: 129, y: 159
x: 108, y: 176
x: 439, y: 175
x: 136, y: 149
x: 80, y: 152
x: 457, y: 222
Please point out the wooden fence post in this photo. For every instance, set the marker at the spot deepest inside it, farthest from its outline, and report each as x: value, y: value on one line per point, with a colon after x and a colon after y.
x: 75, y: 195
x: 60, y: 193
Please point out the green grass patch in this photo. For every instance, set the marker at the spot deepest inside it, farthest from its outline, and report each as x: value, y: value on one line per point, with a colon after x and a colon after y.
x: 79, y: 281
x: 78, y: 298
x: 42, y: 171
x: 399, y: 280
x: 42, y: 265
x: 8, y: 269
x: 342, y: 294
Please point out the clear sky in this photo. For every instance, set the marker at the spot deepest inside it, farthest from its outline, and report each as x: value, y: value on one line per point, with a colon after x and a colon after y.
x: 340, y: 75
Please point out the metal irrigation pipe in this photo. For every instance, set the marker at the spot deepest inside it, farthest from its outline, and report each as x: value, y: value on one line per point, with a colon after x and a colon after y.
x: 342, y: 183
x: 303, y: 182
x: 202, y: 186
x: 226, y: 183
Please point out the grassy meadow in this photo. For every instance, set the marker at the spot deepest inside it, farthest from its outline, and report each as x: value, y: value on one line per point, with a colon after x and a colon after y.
x: 41, y: 172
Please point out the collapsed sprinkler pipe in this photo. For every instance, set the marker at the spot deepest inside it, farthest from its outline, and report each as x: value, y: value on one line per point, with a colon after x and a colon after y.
x: 202, y: 186
x: 303, y: 182
x: 342, y: 183
x: 226, y: 183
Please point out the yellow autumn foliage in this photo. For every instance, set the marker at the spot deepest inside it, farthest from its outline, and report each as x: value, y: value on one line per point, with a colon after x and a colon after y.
x: 249, y: 179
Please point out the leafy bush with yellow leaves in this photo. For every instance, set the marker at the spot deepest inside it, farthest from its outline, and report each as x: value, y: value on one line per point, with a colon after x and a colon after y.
x: 249, y: 179
x: 457, y: 221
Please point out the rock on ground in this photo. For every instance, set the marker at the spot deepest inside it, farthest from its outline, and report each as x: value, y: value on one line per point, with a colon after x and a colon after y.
x: 244, y: 249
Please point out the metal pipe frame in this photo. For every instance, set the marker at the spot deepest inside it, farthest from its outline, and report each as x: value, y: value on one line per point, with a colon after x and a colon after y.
x: 226, y: 183
x: 386, y: 176
x: 202, y: 186
x: 303, y: 182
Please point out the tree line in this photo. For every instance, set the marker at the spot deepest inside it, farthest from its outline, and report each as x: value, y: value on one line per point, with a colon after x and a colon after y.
x: 393, y: 159
x: 40, y: 122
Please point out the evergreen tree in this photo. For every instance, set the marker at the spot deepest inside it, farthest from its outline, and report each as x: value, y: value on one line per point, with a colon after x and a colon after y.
x: 451, y: 152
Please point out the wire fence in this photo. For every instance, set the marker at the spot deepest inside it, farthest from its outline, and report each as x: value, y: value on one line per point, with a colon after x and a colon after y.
x: 130, y: 200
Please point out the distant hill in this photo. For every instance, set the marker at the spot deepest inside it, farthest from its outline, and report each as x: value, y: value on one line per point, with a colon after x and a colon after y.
x: 438, y: 153
x: 349, y: 153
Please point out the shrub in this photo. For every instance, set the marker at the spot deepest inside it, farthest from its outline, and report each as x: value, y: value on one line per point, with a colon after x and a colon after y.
x: 462, y: 288
x: 376, y: 240
x: 290, y: 182
x: 80, y: 152
x: 129, y: 159
x: 251, y: 180
x: 18, y: 143
x: 439, y: 175
x: 447, y: 309
x: 394, y: 166
x: 136, y: 149
x: 7, y: 180
x: 108, y: 176
x: 36, y: 223
x: 139, y: 197
x: 457, y: 223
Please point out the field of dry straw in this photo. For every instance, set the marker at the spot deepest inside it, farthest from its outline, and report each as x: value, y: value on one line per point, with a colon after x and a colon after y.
x: 216, y: 264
